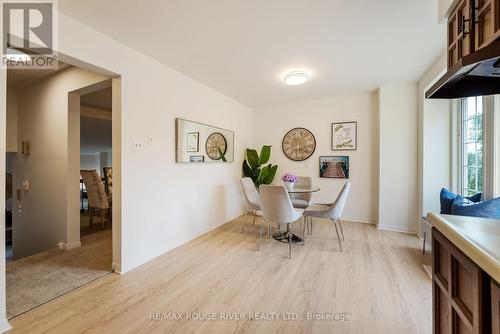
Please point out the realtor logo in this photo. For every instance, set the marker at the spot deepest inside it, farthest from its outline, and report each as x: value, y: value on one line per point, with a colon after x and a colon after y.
x: 28, y: 34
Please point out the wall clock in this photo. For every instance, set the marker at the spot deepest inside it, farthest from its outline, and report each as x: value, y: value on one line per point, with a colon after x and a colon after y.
x: 298, y: 144
x: 215, y: 142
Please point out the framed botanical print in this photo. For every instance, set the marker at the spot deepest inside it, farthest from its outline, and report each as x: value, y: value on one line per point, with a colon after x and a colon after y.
x: 334, y: 167
x: 345, y: 136
x: 193, y: 141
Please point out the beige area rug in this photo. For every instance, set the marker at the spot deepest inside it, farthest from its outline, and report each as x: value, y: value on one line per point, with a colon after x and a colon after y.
x: 34, y: 280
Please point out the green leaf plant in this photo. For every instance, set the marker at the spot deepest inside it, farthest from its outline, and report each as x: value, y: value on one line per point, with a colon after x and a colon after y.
x: 253, y: 166
x: 222, y: 156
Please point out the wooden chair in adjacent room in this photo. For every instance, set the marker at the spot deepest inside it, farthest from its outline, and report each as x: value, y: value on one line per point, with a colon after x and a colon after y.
x: 98, y: 200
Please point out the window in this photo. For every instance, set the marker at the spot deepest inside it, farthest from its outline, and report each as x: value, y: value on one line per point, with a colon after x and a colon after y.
x: 472, y: 126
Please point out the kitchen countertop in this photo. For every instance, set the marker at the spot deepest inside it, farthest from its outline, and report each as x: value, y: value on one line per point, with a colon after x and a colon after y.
x: 478, y: 238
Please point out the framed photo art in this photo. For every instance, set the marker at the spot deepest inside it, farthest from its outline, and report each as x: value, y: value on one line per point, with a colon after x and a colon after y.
x: 345, y: 136
x: 196, y: 158
x: 193, y: 142
x: 334, y: 167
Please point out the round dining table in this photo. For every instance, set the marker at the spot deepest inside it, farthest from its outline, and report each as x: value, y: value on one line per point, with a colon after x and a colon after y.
x: 282, y: 236
x: 302, y: 190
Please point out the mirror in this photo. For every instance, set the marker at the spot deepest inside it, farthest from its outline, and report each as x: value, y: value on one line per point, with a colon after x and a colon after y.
x: 197, y: 142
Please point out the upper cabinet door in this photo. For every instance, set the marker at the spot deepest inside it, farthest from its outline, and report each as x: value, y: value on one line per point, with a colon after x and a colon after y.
x: 487, y: 22
x: 460, y: 36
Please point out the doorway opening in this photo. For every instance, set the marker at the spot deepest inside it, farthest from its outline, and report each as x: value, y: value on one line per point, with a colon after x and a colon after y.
x: 56, y: 119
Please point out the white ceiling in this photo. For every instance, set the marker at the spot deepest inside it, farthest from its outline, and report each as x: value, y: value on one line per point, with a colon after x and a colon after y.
x: 243, y: 47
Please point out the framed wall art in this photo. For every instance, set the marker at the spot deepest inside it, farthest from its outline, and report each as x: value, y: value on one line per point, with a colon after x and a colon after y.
x: 345, y: 136
x: 196, y: 158
x: 334, y: 167
x: 193, y: 141
x: 189, y: 139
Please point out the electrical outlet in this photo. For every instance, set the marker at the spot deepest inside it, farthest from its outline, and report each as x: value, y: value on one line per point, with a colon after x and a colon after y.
x: 150, y: 140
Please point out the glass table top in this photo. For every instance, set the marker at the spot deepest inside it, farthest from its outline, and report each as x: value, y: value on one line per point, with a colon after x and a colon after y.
x: 302, y: 190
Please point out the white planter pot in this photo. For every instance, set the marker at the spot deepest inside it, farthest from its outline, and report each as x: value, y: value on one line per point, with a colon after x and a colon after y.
x: 289, y: 185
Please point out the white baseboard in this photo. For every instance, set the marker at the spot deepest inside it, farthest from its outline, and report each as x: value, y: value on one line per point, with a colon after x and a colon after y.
x: 359, y: 220
x: 396, y: 229
x: 69, y: 246
x: 116, y: 267
x: 4, y: 325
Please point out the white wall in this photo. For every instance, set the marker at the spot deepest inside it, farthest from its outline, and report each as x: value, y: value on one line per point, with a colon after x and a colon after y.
x: 90, y: 161
x: 272, y: 123
x: 398, y: 193
x: 43, y: 121
x: 105, y: 160
x: 11, y: 120
x: 434, y: 141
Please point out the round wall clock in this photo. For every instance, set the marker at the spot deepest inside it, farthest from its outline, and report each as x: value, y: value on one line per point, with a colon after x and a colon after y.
x: 215, y: 142
x: 298, y: 144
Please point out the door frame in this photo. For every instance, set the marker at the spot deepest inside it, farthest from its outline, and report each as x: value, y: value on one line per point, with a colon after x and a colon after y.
x: 117, y: 174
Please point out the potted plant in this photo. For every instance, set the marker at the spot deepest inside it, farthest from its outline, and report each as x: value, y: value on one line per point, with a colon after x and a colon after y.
x: 254, y: 169
x: 289, y: 179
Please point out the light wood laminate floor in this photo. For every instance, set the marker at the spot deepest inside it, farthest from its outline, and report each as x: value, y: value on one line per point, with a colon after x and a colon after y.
x: 378, y: 280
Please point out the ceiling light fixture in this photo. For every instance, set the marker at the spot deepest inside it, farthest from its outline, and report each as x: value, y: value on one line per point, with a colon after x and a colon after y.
x: 295, y: 78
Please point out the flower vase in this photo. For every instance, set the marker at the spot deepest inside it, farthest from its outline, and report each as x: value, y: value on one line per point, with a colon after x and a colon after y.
x: 289, y: 185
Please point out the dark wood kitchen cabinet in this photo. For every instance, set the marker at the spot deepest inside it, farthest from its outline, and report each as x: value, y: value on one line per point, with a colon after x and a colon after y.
x: 463, y: 294
x: 486, y: 22
x: 460, y: 39
x: 495, y: 307
x: 472, y: 25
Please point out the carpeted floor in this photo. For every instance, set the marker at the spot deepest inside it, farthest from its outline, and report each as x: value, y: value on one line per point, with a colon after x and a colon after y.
x: 36, y: 279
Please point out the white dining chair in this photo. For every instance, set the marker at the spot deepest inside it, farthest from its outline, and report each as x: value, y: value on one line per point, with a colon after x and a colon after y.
x: 302, y: 201
x: 277, y: 207
x: 252, y: 199
x: 331, y: 211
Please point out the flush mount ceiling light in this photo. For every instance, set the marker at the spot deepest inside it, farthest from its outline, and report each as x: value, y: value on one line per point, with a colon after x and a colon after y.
x: 295, y: 78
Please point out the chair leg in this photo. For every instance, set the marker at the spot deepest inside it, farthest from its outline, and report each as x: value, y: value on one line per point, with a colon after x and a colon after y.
x: 341, y: 229
x: 254, y: 215
x: 311, y: 222
x: 423, y: 243
x: 102, y: 218
x: 260, y: 236
x: 268, y: 229
x: 90, y: 216
x: 244, y: 222
x: 338, y: 236
x: 303, y: 230
x: 289, y: 231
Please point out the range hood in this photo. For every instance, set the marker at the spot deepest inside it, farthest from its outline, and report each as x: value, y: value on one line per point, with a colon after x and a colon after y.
x: 474, y: 75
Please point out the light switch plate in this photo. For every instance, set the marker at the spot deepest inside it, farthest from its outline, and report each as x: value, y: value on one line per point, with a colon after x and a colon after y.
x: 150, y: 140
x: 138, y: 145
